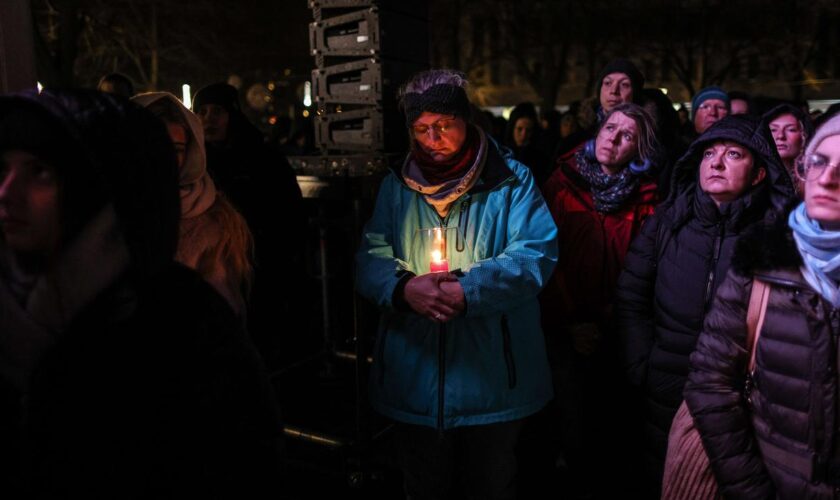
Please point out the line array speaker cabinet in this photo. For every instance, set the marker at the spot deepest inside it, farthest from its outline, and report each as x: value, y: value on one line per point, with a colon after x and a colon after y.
x: 370, y: 32
x: 364, y: 50
x: 418, y: 9
x: 366, y: 81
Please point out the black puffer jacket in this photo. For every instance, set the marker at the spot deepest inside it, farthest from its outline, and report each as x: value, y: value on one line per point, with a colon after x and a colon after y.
x: 780, y: 442
x: 676, y: 264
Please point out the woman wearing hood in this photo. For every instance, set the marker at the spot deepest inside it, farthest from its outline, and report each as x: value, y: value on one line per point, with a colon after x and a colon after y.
x: 129, y: 376
x: 726, y: 182
x: 791, y: 128
x: 214, y: 238
x: 773, y: 432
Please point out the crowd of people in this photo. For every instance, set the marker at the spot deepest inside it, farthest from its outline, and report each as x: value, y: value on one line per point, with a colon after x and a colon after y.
x: 597, y: 268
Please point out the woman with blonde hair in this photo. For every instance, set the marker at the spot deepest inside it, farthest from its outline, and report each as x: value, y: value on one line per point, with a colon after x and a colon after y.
x: 214, y: 238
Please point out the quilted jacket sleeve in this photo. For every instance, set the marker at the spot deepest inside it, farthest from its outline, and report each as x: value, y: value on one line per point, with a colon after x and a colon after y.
x: 634, y: 303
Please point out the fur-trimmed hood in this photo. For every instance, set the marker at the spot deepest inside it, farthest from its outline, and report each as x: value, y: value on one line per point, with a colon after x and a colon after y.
x: 768, y: 246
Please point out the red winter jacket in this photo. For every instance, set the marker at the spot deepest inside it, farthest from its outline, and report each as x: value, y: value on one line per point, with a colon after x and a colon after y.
x: 592, y: 246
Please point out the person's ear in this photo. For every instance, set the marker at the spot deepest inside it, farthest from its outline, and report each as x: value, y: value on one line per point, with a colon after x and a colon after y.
x: 759, y: 176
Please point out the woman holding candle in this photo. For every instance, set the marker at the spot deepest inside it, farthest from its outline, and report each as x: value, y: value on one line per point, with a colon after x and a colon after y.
x: 460, y: 358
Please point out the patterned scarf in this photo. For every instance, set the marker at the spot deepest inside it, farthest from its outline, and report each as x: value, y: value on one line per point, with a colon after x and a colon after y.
x: 820, y: 251
x: 442, y: 195
x: 438, y: 172
x: 609, y: 191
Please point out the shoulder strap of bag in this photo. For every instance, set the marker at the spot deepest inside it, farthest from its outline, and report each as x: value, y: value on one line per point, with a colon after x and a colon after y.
x: 759, y: 297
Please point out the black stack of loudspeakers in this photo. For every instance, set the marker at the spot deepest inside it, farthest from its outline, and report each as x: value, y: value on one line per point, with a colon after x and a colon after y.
x: 364, y: 50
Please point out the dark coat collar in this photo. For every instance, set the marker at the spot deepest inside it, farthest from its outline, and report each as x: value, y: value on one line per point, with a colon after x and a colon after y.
x: 768, y: 251
x: 693, y: 204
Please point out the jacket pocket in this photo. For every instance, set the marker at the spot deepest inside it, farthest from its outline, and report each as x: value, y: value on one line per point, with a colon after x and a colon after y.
x: 511, y: 366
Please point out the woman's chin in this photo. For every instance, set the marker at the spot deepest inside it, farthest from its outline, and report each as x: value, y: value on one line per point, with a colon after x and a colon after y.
x: 439, y: 156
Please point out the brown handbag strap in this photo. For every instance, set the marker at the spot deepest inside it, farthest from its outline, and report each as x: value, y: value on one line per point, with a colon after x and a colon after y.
x: 759, y: 296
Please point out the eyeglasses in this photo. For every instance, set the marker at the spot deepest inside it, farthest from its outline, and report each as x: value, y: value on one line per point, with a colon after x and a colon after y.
x: 708, y: 107
x: 813, y: 167
x: 441, y: 127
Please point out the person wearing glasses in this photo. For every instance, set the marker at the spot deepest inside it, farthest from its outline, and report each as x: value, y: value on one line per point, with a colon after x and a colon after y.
x: 775, y: 435
x: 460, y: 358
x: 708, y: 106
x: 725, y: 183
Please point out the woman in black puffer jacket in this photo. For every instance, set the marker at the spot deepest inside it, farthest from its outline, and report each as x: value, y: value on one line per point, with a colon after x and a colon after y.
x: 779, y: 437
x: 727, y: 180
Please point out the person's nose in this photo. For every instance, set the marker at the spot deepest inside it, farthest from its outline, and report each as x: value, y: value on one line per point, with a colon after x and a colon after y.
x: 713, y: 111
x: 779, y: 135
x: 828, y: 176
x: 433, y: 134
x: 9, y: 186
x: 717, y: 162
x: 614, y: 90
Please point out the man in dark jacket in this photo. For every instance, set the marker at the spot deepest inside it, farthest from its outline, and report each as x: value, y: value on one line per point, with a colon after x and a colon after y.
x: 727, y: 181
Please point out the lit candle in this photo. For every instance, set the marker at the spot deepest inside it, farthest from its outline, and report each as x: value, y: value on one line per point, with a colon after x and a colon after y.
x: 438, y: 263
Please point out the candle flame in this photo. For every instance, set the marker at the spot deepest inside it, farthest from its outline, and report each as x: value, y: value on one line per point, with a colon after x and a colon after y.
x: 436, y: 256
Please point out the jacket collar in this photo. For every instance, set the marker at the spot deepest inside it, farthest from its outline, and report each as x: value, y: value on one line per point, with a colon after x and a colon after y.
x: 768, y: 251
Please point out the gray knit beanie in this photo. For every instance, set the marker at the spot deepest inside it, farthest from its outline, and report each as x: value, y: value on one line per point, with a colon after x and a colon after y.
x: 827, y: 129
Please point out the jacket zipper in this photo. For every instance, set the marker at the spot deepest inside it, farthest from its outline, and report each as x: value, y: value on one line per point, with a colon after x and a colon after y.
x: 444, y: 222
x: 463, y: 220
x: 511, y: 366
x: 715, y: 257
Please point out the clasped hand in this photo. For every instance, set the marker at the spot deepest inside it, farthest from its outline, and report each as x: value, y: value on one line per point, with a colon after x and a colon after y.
x: 438, y: 296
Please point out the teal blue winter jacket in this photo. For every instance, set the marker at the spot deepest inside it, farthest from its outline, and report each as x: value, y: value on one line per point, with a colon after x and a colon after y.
x: 489, y: 364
